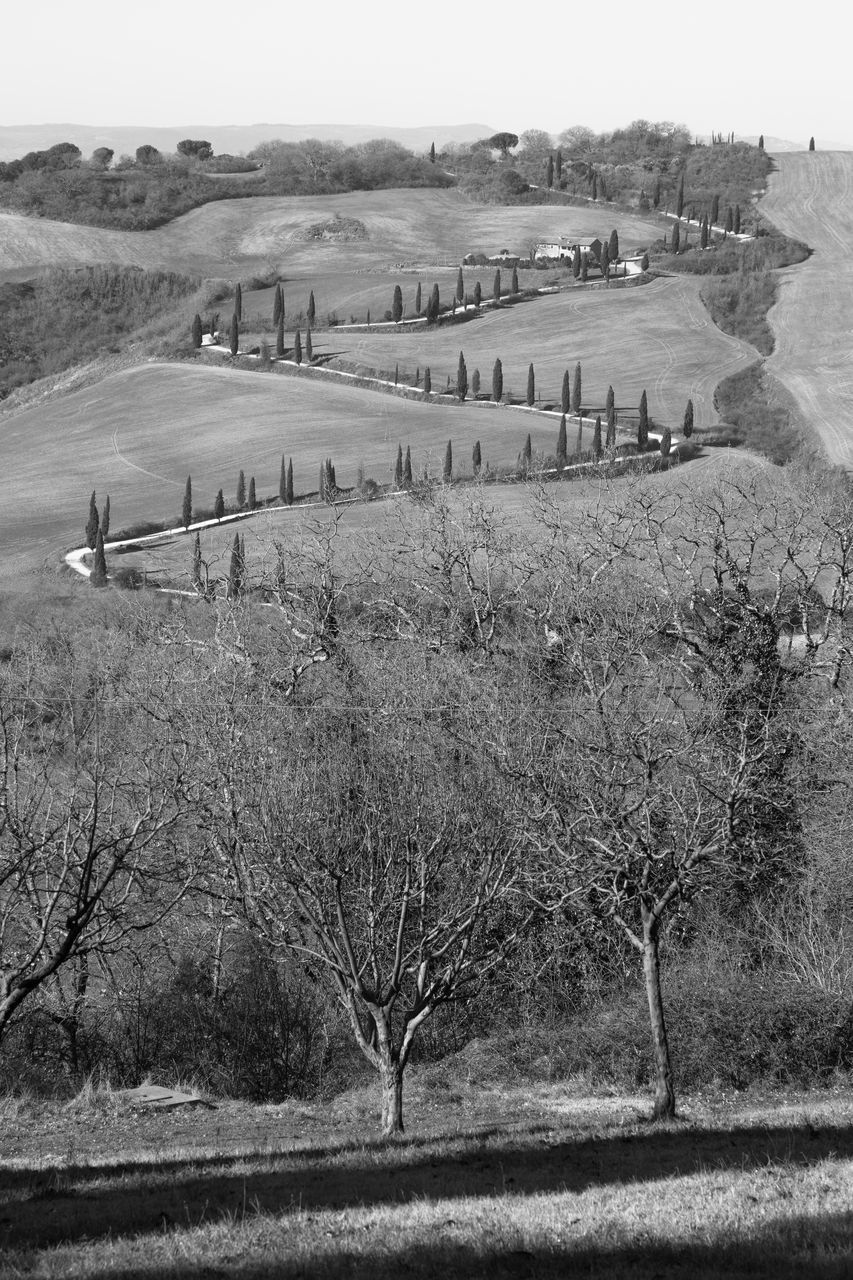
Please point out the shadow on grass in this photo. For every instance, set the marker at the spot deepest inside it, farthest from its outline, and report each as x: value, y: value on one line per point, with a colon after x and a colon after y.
x: 783, y: 1249
x: 69, y: 1203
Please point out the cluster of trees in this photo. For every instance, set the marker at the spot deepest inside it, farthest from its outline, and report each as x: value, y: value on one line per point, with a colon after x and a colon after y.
x: 452, y: 767
x: 74, y: 313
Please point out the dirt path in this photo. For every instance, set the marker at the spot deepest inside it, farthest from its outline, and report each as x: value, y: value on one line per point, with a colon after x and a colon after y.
x: 810, y: 197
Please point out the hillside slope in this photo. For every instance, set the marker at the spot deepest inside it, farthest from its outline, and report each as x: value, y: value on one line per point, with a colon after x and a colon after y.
x: 234, y: 237
x: 809, y: 197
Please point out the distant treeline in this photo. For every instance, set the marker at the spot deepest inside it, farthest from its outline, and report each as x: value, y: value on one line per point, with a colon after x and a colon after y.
x: 639, y: 165
x: 76, y: 314
x: 145, y: 191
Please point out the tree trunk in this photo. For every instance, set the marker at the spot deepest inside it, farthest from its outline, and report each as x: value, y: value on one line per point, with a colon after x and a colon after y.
x: 391, y: 1077
x: 664, y: 1105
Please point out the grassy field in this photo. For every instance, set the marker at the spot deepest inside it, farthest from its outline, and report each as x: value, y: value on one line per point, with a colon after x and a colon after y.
x: 493, y: 1180
x: 809, y: 197
x: 657, y: 337
x: 138, y: 434
x: 235, y: 238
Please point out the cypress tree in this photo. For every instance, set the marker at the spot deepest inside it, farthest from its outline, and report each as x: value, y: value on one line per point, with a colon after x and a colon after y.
x: 514, y: 285
x: 610, y: 406
x: 427, y: 381
x: 398, y: 468
x: 497, y: 381
x: 418, y: 299
x: 737, y: 220
x: 407, y: 468
x: 187, y: 509
x: 558, y: 166
x: 604, y: 262
x: 576, y: 263
x: 761, y: 142
x: 461, y: 378
x: 729, y: 219
x: 596, y: 438
x: 610, y: 441
x: 584, y: 269
x: 531, y: 386
x: 665, y: 442
x: 282, y: 481
x: 496, y: 288
x: 238, y: 302
x: 447, y: 470
x: 396, y: 374
x: 476, y: 458
x: 811, y: 144
x: 643, y: 425
x: 478, y: 294
x: 418, y: 376
x: 367, y: 319
x: 579, y: 444
x: 687, y: 425
x: 297, y: 347
x: 197, y: 334
x: 98, y: 576
x: 460, y: 286
x: 241, y: 491
x: 92, y: 524
x: 703, y: 233
x: 432, y: 153
x: 676, y: 238
x: 321, y: 483
x: 715, y: 209
x: 196, y: 563
x: 397, y: 305
x: 309, y: 346
x: 279, y: 338
x: 253, y: 496
x: 235, y: 334
x: 577, y: 394
x: 595, y: 186
x: 235, y: 571
x: 562, y: 443
x: 656, y: 193
x: 105, y: 519
x: 644, y: 262
x: 549, y: 171
x: 312, y: 310
x: 613, y: 245
x: 565, y: 393
x: 679, y: 198
x: 475, y: 383
x: 288, y: 495
x: 219, y: 505
x: 277, y: 308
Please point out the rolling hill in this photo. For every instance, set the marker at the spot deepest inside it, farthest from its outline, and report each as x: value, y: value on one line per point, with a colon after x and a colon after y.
x: 809, y: 197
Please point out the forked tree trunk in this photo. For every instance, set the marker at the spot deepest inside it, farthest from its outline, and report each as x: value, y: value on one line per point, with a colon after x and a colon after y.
x: 664, y: 1103
x: 391, y: 1079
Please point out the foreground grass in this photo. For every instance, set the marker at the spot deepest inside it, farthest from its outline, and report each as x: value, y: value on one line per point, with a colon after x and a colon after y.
x: 494, y: 1181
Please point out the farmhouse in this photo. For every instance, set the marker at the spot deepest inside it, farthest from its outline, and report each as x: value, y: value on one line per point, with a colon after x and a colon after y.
x: 564, y: 248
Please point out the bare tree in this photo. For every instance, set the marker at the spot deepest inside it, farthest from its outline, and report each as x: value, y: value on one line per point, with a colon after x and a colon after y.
x: 93, y: 836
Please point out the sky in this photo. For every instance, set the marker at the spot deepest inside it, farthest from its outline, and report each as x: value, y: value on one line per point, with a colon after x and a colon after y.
x: 748, y: 68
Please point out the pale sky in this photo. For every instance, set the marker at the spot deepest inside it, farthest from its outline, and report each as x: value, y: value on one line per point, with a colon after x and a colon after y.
x: 780, y: 70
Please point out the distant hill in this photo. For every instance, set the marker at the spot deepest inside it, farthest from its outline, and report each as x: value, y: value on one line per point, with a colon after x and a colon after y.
x: 17, y: 140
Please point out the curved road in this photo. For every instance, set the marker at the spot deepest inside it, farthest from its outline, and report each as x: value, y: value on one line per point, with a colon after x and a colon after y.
x: 810, y: 197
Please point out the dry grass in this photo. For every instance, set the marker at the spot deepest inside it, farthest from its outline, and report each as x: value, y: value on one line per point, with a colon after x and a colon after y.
x: 809, y: 197
x: 495, y: 1180
x: 237, y: 238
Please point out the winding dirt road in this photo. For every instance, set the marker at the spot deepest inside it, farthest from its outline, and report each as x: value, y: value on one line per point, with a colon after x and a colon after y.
x: 809, y: 196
